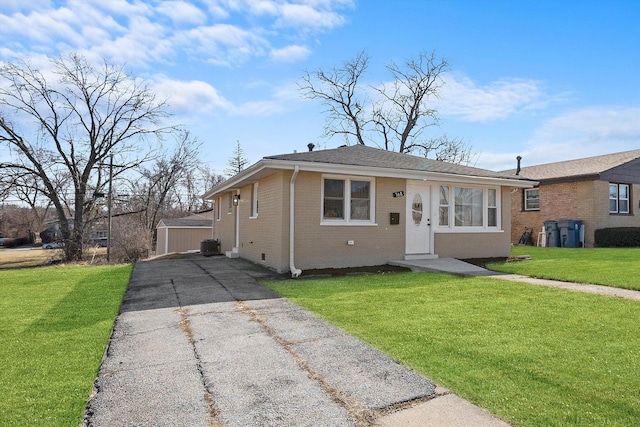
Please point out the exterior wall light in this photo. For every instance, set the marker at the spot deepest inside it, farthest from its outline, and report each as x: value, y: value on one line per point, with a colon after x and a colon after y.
x: 236, y: 199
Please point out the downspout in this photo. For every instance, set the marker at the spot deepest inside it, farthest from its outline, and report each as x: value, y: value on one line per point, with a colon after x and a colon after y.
x: 237, y: 245
x: 295, y: 273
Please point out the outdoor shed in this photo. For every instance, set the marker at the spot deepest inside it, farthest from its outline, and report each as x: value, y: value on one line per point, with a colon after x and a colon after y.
x: 361, y: 206
x: 183, y: 234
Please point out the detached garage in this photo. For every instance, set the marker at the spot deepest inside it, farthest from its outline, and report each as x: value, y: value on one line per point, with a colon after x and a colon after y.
x: 183, y: 234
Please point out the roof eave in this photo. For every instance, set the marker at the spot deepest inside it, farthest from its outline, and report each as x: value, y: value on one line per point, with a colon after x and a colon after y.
x: 245, y: 176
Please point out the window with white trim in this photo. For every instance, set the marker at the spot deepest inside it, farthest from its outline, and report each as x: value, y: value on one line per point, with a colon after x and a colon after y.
x: 254, y: 201
x: 348, y: 200
x: 443, y: 217
x: 532, y: 199
x: 477, y: 207
x: 492, y: 207
x: 230, y: 206
x: 619, y: 198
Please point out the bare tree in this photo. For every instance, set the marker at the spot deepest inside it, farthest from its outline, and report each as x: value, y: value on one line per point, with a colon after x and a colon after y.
x: 61, y: 124
x: 392, y: 115
x: 195, y: 183
x: 339, y: 91
x: 237, y: 161
x: 157, y: 189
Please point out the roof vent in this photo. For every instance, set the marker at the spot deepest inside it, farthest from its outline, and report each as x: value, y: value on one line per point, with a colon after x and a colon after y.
x: 518, y: 167
x: 311, y: 146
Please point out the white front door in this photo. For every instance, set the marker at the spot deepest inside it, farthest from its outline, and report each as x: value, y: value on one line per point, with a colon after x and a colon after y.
x: 418, y: 226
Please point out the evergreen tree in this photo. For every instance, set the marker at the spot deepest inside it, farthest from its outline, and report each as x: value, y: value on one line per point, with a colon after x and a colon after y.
x: 237, y: 161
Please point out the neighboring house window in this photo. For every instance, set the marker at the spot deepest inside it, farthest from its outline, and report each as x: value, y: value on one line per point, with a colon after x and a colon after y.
x: 230, y: 206
x: 218, y: 206
x: 472, y: 207
x: 532, y: 199
x: 254, y: 201
x: 444, y: 206
x: 347, y: 200
x: 619, y: 198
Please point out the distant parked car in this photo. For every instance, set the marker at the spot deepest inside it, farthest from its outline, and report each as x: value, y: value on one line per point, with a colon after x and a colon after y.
x: 53, y: 245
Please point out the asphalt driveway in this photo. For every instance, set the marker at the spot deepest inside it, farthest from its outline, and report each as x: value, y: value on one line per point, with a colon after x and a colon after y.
x: 200, y: 342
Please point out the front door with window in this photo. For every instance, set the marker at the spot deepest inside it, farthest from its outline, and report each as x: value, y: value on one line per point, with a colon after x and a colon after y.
x: 418, y: 223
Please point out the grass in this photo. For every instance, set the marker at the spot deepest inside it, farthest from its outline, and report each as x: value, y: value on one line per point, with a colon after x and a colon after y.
x: 618, y: 267
x: 533, y: 356
x: 54, y: 326
x: 37, y: 257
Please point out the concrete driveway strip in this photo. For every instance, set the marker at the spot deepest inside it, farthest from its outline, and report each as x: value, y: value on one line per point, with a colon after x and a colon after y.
x: 200, y: 342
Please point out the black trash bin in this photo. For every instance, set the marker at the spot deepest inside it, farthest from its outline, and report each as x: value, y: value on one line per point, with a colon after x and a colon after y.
x: 552, y: 234
x: 570, y: 233
x: 210, y: 247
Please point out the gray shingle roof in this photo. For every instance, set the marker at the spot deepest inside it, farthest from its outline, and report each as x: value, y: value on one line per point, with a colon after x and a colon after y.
x: 576, y: 168
x: 186, y: 222
x: 360, y: 155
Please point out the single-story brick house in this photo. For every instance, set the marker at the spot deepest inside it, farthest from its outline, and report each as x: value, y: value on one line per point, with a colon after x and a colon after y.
x: 361, y: 206
x: 600, y: 191
x: 183, y: 234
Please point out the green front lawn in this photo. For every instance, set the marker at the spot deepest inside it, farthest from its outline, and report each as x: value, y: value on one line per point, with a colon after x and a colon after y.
x: 618, y: 267
x: 54, y: 326
x: 533, y: 356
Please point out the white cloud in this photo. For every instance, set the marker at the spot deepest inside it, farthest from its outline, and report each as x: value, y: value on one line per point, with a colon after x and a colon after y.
x: 182, y: 12
x: 308, y: 16
x: 587, y: 132
x: 193, y: 96
x: 291, y: 53
x: 461, y: 97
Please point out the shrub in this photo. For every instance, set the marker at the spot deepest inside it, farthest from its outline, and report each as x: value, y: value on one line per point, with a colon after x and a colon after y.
x: 617, y: 237
x: 130, y: 241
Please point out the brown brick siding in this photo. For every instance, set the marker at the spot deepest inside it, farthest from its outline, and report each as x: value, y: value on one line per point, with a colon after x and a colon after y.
x: 587, y: 201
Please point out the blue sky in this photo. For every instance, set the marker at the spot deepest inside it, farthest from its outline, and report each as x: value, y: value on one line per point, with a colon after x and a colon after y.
x: 547, y: 80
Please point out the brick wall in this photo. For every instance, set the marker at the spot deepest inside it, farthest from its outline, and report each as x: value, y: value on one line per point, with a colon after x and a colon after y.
x: 587, y: 201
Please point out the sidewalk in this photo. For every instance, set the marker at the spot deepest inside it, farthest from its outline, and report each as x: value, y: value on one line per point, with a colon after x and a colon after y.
x: 199, y: 342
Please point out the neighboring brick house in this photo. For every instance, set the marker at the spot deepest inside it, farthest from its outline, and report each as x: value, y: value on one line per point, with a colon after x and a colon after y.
x: 601, y: 191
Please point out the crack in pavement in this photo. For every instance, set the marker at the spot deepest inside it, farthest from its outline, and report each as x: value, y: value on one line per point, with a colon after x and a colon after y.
x: 361, y: 416
x: 185, y: 324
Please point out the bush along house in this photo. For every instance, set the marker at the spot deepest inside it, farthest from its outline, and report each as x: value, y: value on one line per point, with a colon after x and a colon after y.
x: 360, y: 206
x: 597, y: 193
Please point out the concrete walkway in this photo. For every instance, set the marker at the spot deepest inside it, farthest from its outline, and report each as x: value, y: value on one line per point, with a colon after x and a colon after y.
x: 199, y: 342
x: 461, y: 268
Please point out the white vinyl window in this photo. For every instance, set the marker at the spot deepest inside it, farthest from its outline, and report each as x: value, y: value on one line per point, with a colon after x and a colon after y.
x: 619, y: 197
x: 532, y: 199
x: 492, y: 207
x: 254, y: 201
x: 469, y: 207
x: 348, y: 200
x: 444, y: 206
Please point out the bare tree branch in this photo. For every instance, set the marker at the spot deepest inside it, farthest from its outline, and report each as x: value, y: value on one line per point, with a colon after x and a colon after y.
x: 395, y: 115
x: 65, y: 125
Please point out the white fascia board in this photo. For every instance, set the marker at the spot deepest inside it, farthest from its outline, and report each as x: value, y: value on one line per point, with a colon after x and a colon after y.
x: 244, y: 177
x: 234, y: 182
x: 331, y: 168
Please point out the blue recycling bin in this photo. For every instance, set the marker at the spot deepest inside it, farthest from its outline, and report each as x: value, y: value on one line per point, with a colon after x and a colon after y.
x: 552, y: 234
x: 570, y: 233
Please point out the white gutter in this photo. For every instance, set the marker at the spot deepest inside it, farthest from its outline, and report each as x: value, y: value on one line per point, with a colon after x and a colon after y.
x: 295, y: 273
x: 237, y: 246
